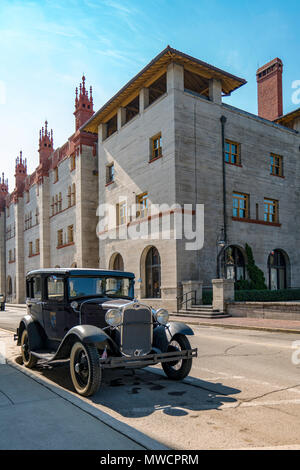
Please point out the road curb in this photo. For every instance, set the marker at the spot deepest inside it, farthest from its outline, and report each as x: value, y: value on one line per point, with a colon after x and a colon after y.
x: 243, y: 327
x: 133, y: 434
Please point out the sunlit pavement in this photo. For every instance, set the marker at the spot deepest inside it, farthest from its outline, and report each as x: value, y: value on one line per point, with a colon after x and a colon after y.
x: 243, y: 392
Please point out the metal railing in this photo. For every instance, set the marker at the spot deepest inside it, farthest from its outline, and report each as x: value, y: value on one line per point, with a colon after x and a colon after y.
x: 183, y: 299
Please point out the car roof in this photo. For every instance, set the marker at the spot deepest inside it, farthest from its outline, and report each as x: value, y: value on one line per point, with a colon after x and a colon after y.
x: 80, y: 272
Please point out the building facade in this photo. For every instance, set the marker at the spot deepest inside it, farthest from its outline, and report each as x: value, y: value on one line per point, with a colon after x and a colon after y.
x: 49, y: 218
x: 168, y: 138
x: 164, y: 152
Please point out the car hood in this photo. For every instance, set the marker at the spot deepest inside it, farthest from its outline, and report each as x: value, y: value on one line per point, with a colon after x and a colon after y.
x: 117, y: 303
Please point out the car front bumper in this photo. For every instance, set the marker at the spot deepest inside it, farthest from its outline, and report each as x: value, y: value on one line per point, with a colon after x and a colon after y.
x: 147, y: 360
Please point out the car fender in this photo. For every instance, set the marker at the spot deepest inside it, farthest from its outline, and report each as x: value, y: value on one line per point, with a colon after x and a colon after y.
x: 35, y: 333
x: 163, y: 334
x: 87, y: 334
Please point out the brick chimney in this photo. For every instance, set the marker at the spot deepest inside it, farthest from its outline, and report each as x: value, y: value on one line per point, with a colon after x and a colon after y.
x: 269, y: 90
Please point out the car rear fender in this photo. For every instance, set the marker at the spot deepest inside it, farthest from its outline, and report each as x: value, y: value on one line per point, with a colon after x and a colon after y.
x: 87, y: 334
x: 36, y: 334
x: 162, y: 335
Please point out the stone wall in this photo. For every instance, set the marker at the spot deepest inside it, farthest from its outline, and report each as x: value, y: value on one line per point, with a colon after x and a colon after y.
x: 276, y: 310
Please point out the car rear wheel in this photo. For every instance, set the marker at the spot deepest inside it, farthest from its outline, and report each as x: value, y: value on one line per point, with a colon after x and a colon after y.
x: 28, y: 359
x: 178, y: 370
x: 85, y: 369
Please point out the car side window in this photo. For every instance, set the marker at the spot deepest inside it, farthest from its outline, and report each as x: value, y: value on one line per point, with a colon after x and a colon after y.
x: 55, y: 288
x: 37, y: 288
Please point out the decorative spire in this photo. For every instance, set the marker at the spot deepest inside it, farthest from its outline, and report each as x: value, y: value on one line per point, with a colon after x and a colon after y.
x: 83, y: 104
x: 45, y: 144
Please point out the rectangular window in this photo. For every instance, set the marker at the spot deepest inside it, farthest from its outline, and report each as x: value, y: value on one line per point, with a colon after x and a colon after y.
x: 276, y: 165
x: 55, y: 288
x: 232, y: 152
x: 55, y: 175
x: 10, y: 256
x: 110, y: 173
x: 270, y: 210
x: 73, y: 162
x: 70, y: 234
x: 37, y: 288
x: 142, y: 205
x: 240, y: 205
x: 37, y: 246
x: 156, y: 147
x: 30, y: 249
x: 59, y: 237
x: 121, y: 213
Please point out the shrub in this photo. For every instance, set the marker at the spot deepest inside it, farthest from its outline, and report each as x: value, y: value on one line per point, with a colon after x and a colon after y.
x: 256, y: 275
x: 266, y: 295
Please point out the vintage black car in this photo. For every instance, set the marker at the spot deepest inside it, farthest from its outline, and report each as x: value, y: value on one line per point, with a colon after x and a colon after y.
x: 2, y: 302
x: 90, y: 317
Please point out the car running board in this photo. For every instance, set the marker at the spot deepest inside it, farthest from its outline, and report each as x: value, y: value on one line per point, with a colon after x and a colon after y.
x: 47, y: 357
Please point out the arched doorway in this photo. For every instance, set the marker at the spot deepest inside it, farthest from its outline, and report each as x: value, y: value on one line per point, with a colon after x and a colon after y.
x: 234, y: 263
x: 153, y: 273
x: 116, y: 262
x: 277, y: 269
x: 74, y: 265
x: 9, y: 287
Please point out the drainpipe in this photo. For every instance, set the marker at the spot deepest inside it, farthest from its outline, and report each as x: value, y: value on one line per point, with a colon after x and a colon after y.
x: 222, y: 252
x: 223, y: 121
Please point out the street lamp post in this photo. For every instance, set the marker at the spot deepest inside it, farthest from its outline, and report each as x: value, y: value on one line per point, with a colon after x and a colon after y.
x: 221, y: 244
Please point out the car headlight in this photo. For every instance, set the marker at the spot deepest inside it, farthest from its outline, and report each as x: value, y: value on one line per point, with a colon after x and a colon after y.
x: 162, y: 316
x: 113, y: 317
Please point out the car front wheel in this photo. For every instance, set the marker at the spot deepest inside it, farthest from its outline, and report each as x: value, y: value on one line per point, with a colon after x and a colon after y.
x: 85, y: 369
x: 179, y: 369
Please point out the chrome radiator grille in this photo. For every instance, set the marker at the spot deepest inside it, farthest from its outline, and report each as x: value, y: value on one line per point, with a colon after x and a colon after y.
x: 136, y: 330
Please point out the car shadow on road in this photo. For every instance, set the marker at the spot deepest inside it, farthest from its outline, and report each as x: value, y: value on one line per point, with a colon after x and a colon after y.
x: 141, y: 392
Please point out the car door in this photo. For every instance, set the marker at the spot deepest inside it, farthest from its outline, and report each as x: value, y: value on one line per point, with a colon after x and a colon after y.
x: 54, y: 308
x: 34, y: 298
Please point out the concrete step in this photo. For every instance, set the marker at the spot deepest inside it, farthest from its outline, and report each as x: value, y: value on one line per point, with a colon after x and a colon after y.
x: 202, y: 313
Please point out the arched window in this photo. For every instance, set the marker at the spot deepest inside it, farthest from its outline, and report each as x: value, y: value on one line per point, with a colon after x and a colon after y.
x: 277, y: 270
x: 234, y: 264
x: 118, y: 264
x: 153, y: 274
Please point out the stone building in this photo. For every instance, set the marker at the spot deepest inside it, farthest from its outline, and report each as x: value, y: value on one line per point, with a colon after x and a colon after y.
x: 48, y: 220
x: 168, y: 145
x: 167, y: 137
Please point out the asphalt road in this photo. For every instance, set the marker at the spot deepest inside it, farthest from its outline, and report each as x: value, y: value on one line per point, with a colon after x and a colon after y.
x: 243, y: 392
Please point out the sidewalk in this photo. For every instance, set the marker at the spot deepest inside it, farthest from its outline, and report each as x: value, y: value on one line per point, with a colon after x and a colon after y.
x: 264, y: 324
x: 37, y: 415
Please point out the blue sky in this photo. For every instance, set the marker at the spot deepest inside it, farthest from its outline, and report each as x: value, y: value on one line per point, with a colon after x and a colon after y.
x: 46, y: 45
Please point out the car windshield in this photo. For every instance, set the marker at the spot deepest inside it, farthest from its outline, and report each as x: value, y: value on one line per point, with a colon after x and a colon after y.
x: 100, y: 286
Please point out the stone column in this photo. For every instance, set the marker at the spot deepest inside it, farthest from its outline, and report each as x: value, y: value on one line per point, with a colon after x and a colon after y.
x: 175, y: 77
x: 44, y: 213
x: 87, y: 243
x: 2, y: 253
x: 20, y: 274
x: 215, y: 90
x: 102, y: 132
x: 188, y: 286
x: 223, y: 292
x: 121, y: 117
x: 144, y: 99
